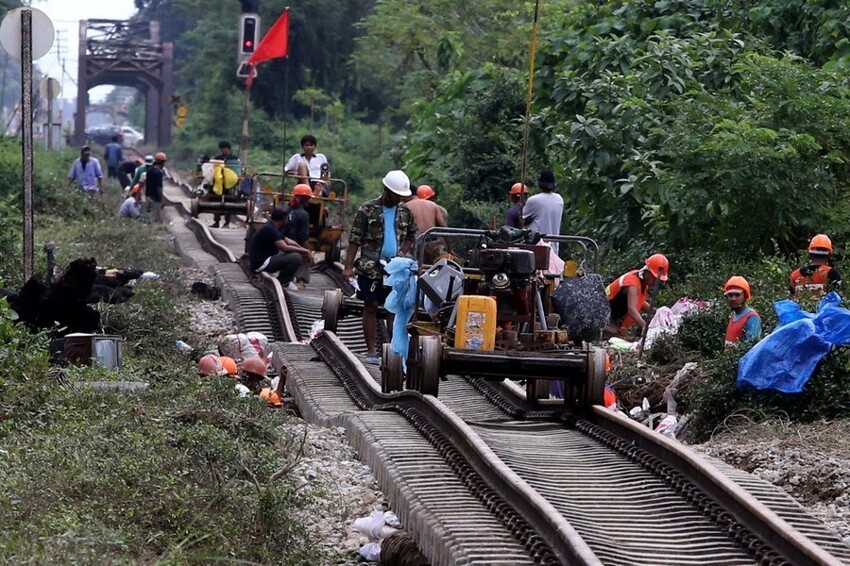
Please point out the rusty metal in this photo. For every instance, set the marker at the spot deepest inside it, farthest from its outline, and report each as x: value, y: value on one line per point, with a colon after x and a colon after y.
x: 128, y: 53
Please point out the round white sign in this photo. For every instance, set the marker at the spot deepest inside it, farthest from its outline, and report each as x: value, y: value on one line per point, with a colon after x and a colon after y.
x: 42, y: 33
x: 55, y: 87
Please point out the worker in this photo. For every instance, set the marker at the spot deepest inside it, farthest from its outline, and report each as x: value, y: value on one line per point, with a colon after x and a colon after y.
x: 512, y: 215
x: 383, y: 228
x: 224, y: 179
x: 427, y: 215
x: 310, y: 167
x: 543, y: 212
x: 86, y: 172
x: 627, y: 295
x: 426, y: 192
x: 818, y: 277
x: 745, y: 323
x: 154, y: 178
x: 132, y: 205
x: 139, y: 174
x: 271, y: 252
x: 297, y: 227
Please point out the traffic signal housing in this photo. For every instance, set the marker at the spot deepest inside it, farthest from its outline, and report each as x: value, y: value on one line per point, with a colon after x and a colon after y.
x: 249, y: 27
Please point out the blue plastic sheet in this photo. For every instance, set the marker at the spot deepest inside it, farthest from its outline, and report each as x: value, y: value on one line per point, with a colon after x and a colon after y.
x: 786, y: 359
x: 401, y: 300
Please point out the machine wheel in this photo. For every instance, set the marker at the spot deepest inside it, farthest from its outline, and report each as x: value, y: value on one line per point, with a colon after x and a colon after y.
x: 331, y: 306
x: 595, y: 386
x: 194, y: 208
x: 536, y: 389
x: 392, y: 375
x: 431, y: 352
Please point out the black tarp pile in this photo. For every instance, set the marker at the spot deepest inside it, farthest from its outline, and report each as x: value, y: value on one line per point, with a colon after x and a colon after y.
x: 63, y: 300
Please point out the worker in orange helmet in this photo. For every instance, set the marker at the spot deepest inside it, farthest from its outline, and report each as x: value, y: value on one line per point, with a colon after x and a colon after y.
x: 628, y: 294
x: 516, y: 193
x: 428, y: 214
x: 745, y: 323
x: 818, y: 277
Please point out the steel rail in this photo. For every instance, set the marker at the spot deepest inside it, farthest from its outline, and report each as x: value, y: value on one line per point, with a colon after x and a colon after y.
x: 503, y: 483
x: 764, y: 524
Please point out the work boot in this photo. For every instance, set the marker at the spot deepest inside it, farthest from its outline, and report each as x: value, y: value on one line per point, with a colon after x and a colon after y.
x: 227, y: 223
x: 214, y: 225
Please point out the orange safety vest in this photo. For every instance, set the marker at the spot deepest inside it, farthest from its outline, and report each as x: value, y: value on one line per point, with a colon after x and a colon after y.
x: 814, y: 283
x: 617, y: 286
x: 735, y: 328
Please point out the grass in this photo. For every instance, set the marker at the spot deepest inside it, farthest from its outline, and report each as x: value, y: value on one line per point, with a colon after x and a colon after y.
x: 183, y: 472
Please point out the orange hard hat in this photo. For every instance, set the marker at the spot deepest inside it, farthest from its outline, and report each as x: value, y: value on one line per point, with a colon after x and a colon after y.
x: 738, y: 282
x: 271, y: 397
x: 210, y: 365
x: 255, y: 365
x: 229, y: 365
x: 160, y: 156
x: 425, y: 192
x: 302, y: 190
x: 820, y: 245
x: 658, y: 266
x: 518, y: 188
x: 609, y: 397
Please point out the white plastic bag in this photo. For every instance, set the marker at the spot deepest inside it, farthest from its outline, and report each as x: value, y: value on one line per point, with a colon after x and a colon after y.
x: 371, y: 551
x: 667, y: 426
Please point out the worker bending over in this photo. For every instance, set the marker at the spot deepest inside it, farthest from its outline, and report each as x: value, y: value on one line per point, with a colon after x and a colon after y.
x: 627, y: 295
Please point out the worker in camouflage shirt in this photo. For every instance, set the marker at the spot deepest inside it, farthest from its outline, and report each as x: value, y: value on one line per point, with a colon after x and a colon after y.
x: 383, y: 228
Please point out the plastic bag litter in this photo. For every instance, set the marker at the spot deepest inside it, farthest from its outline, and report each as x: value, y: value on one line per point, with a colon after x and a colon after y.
x: 371, y: 551
x: 667, y: 426
x: 242, y: 390
x: 377, y: 526
x: 317, y: 328
x: 147, y: 275
x: 786, y: 358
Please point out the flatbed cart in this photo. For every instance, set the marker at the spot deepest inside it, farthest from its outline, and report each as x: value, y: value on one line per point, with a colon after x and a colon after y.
x: 327, y: 214
x: 489, y: 314
x: 204, y: 201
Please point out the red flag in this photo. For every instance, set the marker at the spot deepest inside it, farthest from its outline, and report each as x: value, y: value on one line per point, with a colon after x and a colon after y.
x: 275, y: 44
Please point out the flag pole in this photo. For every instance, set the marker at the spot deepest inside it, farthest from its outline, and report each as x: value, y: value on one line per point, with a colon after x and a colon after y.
x: 524, y: 164
x: 285, y: 108
x: 243, y: 143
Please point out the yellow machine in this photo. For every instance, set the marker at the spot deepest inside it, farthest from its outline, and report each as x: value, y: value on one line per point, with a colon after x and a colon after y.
x: 327, y: 213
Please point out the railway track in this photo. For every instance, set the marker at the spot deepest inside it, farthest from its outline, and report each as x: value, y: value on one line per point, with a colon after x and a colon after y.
x: 479, y: 476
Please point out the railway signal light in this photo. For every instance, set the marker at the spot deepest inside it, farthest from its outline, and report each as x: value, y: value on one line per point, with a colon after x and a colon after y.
x: 249, y: 25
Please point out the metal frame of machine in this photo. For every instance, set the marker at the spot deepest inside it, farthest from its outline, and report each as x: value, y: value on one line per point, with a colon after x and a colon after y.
x: 529, y: 344
x: 229, y: 202
x: 327, y: 214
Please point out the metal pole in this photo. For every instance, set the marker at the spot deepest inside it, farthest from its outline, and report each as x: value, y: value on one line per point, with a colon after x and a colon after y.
x: 26, y: 131
x: 524, y: 164
x: 285, y: 109
x: 243, y: 143
x: 49, y: 113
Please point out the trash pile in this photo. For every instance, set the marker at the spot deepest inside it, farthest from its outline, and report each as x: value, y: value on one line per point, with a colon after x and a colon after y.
x: 376, y: 527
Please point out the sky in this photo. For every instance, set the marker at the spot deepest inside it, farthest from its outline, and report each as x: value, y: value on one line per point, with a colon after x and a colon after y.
x: 66, y: 16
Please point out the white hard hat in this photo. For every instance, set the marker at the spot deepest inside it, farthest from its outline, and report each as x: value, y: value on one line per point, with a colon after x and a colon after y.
x: 397, y: 182
x: 149, y: 159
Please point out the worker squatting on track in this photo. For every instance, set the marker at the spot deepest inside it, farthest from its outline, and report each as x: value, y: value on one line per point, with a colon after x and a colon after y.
x: 271, y: 252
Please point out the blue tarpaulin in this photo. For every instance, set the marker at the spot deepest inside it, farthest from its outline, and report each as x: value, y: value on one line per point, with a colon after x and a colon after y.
x: 786, y: 359
x: 401, y: 300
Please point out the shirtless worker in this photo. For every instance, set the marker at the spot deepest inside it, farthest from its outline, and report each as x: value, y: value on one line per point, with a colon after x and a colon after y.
x: 427, y: 215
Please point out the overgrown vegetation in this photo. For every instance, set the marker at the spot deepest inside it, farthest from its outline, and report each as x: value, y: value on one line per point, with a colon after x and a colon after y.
x: 186, y: 471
